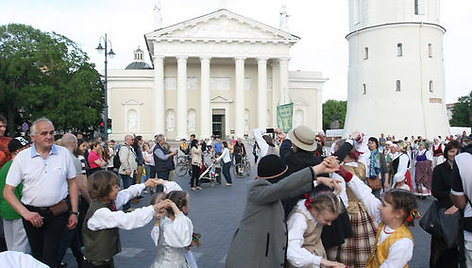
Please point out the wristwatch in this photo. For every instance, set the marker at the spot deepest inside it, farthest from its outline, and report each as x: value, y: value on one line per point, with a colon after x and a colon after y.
x: 75, y: 213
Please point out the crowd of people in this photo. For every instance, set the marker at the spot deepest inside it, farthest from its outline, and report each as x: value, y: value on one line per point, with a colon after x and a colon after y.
x: 309, y: 205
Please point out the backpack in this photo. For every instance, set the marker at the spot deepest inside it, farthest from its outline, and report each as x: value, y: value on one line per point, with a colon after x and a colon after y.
x: 116, y: 160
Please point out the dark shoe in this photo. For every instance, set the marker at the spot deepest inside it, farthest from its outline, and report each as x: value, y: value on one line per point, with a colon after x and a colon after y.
x: 63, y: 264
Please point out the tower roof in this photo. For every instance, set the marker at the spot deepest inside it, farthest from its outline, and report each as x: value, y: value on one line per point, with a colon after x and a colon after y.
x: 138, y: 62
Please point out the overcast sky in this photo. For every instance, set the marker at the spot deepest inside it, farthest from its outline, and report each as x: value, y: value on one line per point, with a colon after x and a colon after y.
x: 321, y: 24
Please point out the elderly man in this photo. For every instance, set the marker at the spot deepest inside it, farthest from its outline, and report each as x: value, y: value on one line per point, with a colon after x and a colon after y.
x: 47, y: 173
x: 162, y: 158
x: 128, y: 166
x: 71, y: 237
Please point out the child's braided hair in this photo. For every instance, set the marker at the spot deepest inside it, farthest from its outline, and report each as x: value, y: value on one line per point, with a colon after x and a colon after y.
x: 404, y: 200
x: 179, y: 198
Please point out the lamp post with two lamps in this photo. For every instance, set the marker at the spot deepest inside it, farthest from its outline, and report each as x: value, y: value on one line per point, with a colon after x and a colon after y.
x: 107, y: 53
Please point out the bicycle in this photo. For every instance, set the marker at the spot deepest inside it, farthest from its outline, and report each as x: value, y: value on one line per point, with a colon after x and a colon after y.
x: 183, y: 165
x: 243, y: 168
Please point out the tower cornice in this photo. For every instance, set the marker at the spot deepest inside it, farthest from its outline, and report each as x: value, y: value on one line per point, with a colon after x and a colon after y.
x: 395, y: 24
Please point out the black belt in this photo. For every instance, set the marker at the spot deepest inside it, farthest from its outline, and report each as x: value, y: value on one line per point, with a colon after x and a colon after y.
x: 45, y: 210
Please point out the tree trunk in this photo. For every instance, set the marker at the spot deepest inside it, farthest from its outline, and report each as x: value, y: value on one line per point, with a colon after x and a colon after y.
x: 12, y: 111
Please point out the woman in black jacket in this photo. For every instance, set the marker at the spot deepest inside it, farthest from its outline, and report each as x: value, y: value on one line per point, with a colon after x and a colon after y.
x: 441, y: 256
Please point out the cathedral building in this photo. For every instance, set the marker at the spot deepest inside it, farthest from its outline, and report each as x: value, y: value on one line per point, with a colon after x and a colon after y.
x: 218, y: 74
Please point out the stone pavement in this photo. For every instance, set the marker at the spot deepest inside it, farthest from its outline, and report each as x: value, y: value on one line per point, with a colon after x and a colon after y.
x: 215, y: 213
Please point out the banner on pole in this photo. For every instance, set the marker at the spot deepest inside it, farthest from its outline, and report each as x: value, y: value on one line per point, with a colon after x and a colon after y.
x: 284, y: 117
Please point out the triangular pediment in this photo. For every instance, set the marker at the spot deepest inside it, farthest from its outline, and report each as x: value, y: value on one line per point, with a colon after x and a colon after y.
x: 220, y: 99
x: 222, y: 25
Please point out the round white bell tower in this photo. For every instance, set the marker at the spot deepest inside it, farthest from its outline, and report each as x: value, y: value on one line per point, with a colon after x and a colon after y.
x: 396, y: 69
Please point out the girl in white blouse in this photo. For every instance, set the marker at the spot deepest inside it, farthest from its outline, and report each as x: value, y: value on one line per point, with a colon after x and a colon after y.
x: 305, y: 224
x: 394, y: 242
x: 173, y: 233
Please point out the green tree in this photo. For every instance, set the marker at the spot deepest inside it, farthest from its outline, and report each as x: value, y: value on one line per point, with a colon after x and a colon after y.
x: 334, y: 110
x: 46, y: 74
x: 462, y: 112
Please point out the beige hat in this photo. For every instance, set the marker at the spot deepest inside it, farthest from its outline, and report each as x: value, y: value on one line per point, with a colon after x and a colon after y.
x: 303, y: 137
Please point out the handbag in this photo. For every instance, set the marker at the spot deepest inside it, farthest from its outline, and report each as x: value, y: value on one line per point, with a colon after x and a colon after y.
x: 440, y: 225
x: 374, y: 183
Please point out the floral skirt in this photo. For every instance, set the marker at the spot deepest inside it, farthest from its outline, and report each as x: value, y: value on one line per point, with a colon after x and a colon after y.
x: 423, y: 174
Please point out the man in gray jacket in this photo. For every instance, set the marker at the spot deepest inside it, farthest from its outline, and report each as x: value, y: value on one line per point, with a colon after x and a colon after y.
x: 261, y: 238
x: 128, y: 166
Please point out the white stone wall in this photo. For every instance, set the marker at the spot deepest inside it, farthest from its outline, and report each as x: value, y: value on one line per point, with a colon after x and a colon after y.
x: 374, y: 104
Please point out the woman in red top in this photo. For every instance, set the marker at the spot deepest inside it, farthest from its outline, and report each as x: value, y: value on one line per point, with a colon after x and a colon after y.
x: 96, y: 162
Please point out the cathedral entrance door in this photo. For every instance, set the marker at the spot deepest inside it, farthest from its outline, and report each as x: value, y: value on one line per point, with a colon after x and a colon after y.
x: 218, y: 123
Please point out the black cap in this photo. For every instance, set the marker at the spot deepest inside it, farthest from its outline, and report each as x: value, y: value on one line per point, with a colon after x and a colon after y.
x: 17, y: 143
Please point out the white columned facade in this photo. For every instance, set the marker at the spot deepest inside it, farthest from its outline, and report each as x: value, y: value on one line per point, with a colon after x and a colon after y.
x: 181, y: 97
x: 205, y: 110
x: 261, y: 92
x: 159, y: 95
x: 239, y: 102
x: 283, y: 73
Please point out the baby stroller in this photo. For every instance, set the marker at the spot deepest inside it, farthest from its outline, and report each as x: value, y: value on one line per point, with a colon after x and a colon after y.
x: 208, y: 172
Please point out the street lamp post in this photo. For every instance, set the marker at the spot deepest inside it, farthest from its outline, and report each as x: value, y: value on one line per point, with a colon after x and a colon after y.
x: 111, y: 54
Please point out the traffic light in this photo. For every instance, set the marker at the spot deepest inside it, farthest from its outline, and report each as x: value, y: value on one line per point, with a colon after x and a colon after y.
x: 102, y: 126
x: 109, y: 126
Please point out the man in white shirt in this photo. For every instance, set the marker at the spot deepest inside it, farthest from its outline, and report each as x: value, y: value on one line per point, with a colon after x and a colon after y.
x: 47, y: 173
x: 461, y: 193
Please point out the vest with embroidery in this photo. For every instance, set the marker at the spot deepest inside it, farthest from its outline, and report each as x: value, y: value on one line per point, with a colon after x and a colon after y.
x: 437, y: 152
x: 380, y: 253
x: 311, y: 238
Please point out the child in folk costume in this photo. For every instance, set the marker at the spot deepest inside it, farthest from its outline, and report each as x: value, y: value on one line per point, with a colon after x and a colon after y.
x: 172, y: 232
x: 356, y: 249
x: 169, y: 186
x: 100, y: 229
x: 305, y: 224
x: 394, y: 242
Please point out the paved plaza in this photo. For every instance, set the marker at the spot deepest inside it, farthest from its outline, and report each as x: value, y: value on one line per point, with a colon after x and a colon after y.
x: 215, y: 213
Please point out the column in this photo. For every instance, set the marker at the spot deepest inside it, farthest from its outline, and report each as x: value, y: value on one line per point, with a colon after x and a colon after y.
x: 239, y: 97
x: 318, y: 110
x: 159, y: 95
x: 284, y: 90
x: 275, y: 91
x: 261, y: 92
x: 205, y: 109
x: 181, y: 97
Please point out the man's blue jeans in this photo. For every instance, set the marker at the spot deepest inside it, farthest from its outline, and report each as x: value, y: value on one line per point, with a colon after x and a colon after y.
x: 127, y: 182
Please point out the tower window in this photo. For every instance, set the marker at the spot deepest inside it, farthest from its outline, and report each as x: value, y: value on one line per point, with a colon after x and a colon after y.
x: 430, y: 50
x: 364, y: 89
x: 398, y: 86
x: 399, y: 49
x: 366, y: 53
x: 419, y: 7
x: 431, y: 86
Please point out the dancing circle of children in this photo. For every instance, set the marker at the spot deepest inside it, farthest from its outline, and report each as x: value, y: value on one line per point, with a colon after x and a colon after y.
x: 398, y: 208
x: 103, y: 218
